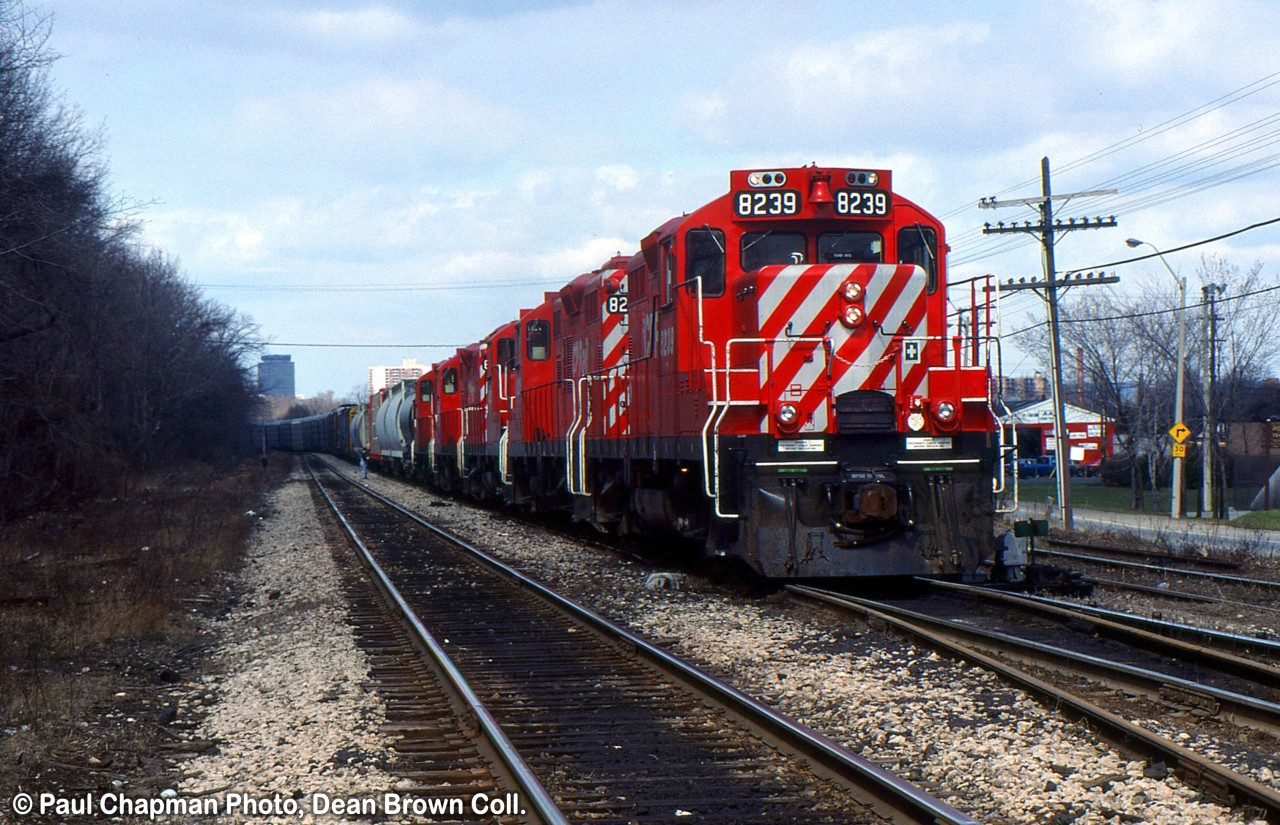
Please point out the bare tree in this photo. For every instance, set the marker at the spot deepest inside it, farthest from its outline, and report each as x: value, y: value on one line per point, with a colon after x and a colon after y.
x: 109, y: 360
x: 1126, y: 347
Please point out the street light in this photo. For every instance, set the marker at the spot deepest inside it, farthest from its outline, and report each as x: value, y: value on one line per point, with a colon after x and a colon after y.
x: 1175, y: 507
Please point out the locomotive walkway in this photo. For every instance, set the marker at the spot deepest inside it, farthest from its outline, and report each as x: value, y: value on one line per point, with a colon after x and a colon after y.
x: 1200, y: 532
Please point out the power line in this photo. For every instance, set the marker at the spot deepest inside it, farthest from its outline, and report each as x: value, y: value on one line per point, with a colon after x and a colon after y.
x: 379, y: 288
x: 364, y: 346
x: 1191, y: 245
x: 1148, y: 314
x: 1204, y: 164
x: 1186, y: 117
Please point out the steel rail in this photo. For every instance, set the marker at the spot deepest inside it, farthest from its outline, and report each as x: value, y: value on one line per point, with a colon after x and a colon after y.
x: 1160, y: 558
x: 548, y: 811
x: 1206, y: 635
x: 1144, y: 632
x: 1175, y: 595
x: 1156, y: 568
x: 1216, y: 780
x: 894, y: 791
x: 1247, y: 711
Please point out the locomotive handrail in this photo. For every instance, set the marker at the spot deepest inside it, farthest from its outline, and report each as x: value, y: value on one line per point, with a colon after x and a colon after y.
x: 578, y: 430
x: 461, y: 447
x: 1007, y: 448
x: 584, y: 416
x: 504, y: 457
x: 719, y: 409
x: 568, y: 435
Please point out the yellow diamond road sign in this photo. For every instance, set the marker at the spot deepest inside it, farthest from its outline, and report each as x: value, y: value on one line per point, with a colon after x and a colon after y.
x: 1179, y: 432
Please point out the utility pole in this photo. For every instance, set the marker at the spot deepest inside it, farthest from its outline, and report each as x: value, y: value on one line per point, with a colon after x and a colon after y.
x: 1179, y: 393
x: 1047, y: 232
x: 1211, y: 506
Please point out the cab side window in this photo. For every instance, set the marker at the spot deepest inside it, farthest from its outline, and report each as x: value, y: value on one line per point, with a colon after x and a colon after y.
x: 704, y: 253
x: 670, y: 277
x: 449, y: 381
x: 506, y: 352
x: 918, y: 244
x: 426, y: 390
x: 538, y: 341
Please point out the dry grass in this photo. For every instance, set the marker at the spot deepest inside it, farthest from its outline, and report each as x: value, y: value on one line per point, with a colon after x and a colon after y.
x: 86, y: 592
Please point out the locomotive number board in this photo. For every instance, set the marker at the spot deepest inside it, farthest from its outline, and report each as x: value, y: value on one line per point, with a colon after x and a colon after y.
x: 863, y: 203
x: 774, y: 203
x: 784, y: 203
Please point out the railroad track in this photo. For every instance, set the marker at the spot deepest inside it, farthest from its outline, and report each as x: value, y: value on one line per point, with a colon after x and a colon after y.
x: 992, y: 650
x: 602, y: 724
x: 1189, y: 672
x: 1163, y: 570
x: 1159, y: 558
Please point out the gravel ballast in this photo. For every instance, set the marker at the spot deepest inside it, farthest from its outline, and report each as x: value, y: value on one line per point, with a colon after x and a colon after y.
x: 290, y: 709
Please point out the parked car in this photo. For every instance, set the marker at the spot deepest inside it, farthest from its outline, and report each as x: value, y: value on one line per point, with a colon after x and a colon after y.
x: 1037, y: 467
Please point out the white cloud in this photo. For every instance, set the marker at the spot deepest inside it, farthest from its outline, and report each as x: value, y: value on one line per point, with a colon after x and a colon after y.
x: 618, y: 177
x: 371, y: 116
x: 375, y: 25
x: 385, y: 141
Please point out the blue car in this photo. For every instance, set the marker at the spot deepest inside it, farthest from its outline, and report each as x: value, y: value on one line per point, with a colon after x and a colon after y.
x: 1038, y: 467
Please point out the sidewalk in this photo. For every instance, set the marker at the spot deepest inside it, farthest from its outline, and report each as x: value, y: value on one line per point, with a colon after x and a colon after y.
x: 1192, y: 531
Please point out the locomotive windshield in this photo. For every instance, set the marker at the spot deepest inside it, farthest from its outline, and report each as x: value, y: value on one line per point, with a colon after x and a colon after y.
x: 768, y: 248
x: 850, y: 248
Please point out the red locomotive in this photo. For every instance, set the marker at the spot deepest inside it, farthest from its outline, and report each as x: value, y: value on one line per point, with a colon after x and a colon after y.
x: 771, y: 376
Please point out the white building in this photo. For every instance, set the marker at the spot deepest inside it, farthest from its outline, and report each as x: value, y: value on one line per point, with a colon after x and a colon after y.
x: 382, y: 377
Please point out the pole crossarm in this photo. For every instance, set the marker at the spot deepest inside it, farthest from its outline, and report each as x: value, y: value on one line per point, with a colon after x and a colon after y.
x: 992, y: 203
x: 1079, y: 279
x: 1046, y: 231
x: 1000, y: 227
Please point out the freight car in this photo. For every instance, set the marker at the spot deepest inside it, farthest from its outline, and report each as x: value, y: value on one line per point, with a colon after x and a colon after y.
x: 772, y: 377
x: 327, y: 432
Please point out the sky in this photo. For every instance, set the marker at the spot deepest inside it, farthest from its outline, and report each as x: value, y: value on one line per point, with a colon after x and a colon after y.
x: 370, y: 182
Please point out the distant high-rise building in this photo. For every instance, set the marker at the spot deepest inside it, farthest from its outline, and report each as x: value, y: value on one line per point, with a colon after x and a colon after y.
x: 275, y: 376
x: 382, y: 377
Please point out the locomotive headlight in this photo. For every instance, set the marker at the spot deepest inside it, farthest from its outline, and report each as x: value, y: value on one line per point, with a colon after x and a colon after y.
x: 852, y: 316
x: 788, y: 416
x: 852, y: 291
x: 945, y: 411
x: 766, y: 180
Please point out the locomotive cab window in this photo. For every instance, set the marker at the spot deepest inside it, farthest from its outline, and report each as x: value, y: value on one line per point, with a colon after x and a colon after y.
x: 506, y: 352
x: 850, y: 248
x: 449, y: 381
x: 537, y: 340
x: 670, y: 275
x: 918, y: 245
x: 426, y: 390
x: 769, y: 248
x: 704, y: 253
